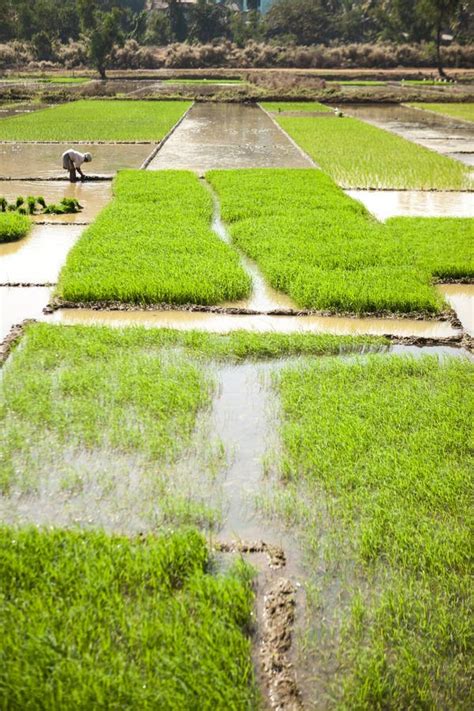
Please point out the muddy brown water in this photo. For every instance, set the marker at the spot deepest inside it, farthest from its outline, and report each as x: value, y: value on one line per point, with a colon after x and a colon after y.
x: 225, y: 323
x: 441, y: 134
x: 16, y: 109
x: 17, y: 304
x: 461, y: 298
x: 43, y: 160
x: 415, y: 203
x: 92, y: 196
x: 37, y: 258
x: 219, y: 136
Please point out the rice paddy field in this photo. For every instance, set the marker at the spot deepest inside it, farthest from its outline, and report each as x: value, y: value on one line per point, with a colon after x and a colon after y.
x: 456, y: 111
x: 358, y: 155
x: 153, y: 244
x: 297, y: 224
x: 238, y: 520
x: 96, y: 121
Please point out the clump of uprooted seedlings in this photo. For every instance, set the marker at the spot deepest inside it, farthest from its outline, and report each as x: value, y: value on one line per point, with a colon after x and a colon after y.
x: 13, y: 226
x: 38, y: 206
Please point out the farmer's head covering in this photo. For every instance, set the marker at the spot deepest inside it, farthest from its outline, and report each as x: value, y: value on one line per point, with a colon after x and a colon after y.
x: 87, y: 157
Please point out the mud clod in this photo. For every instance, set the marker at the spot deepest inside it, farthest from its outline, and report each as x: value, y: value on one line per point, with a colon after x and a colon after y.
x: 278, y: 620
x: 276, y: 555
x: 16, y: 332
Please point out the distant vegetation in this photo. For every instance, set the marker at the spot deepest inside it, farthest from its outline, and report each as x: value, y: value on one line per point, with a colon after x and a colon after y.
x: 101, y: 29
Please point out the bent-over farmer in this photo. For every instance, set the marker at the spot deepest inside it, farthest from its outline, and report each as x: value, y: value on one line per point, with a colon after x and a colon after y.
x: 72, y: 161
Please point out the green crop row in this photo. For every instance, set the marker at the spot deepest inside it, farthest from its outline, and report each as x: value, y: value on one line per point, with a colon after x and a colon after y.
x: 358, y: 155
x: 154, y: 244
x: 13, y: 226
x: 377, y: 459
x: 324, y: 249
x: 456, y: 111
x: 96, y: 121
x: 277, y: 106
x: 96, y: 621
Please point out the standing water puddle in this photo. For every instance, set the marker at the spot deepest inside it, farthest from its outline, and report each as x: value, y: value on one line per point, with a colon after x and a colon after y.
x: 461, y: 298
x: 441, y: 134
x: 219, y: 136
x: 414, y: 203
x: 92, y: 196
x: 17, y: 304
x: 38, y: 258
x: 258, y: 323
x: 43, y: 160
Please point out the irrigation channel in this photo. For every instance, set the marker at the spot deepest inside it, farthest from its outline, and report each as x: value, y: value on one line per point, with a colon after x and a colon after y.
x: 243, y: 417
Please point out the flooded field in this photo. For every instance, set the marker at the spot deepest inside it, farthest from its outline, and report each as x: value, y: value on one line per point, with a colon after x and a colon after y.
x: 92, y: 196
x: 234, y: 423
x: 37, y: 258
x: 228, y: 136
x: 438, y: 133
x: 43, y: 160
x: 415, y: 203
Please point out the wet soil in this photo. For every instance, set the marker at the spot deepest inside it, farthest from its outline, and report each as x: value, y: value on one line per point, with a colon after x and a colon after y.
x: 461, y: 298
x: 224, y: 323
x: 37, y: 258
x: 16, y: 109
x: 43, y: 160
x: 219, y: 136
x: 441, y: 134
x: 384, y: 204
x: 17, y: 304
x: 92, y: 196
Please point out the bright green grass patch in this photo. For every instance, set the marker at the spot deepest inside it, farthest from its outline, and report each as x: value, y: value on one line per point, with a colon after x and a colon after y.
x: 96, y: 121
x: 323, y: 249
x: 13, y: 226
x: 154, y: 244
x: 277, y: 106
x: 377, y: 454
x: 358, y: 155
x: 457, y: 111
x: 91, y: 621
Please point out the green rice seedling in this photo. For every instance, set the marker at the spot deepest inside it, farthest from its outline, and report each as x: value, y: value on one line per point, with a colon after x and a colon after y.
x: 325, y: 250
x: 377, y: 456
x: 31, y: 202
x: 19, y: 201
x: 13, y: 226
x: 456, y: 111
x: 90, y: 620
x: 3, y: 204
x: 358, y: 155
x: 154, y: 244
x: 279, y: 106
x: 99, y: 120
x: 41, y: 201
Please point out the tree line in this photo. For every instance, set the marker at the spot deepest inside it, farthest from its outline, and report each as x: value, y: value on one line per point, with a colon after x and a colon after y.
x: 301, y: 22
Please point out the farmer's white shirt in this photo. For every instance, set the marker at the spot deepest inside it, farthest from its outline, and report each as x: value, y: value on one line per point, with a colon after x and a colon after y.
x: 76, y: 157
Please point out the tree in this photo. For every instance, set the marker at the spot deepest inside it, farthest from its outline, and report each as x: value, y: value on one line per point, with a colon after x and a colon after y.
x: 177, y: 18
x: 441, y: 14
x: 308, y: 21
x: 208, y: 21
x: 102, y: 30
